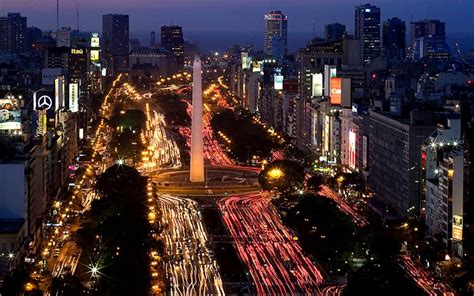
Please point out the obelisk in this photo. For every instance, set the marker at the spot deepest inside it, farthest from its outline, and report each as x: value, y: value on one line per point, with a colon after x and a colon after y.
x: 196, y: 172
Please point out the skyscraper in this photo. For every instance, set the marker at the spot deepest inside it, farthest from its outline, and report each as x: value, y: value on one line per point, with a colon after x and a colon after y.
x: 152, y: 40
x: 276, y: 25
x: 367, y: 30
x: 173, y: 41
x: 428, y: 40
x: 115, y: 31
x: 13, y: 33
x: 335, y: 31
x: 394, y: 38
x: 427, y: 28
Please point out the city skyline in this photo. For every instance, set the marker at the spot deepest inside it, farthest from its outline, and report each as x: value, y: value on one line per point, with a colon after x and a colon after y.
x: 153, y: 15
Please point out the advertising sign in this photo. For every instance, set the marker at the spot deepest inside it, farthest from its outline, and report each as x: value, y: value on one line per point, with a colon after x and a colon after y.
x: 457, y: 227
x: 316, y: 85
x: 246, y: 60
x: 336, y: 91
x: 257, y: 66
x: 95, y: 55
x: 42, y: 122
x: 59, y: 93
x: 352, y: 149
x: 49, y: 74
x: 278, y: 82
x: 10, y: 119
x: 95, y: 40
x: 43, y: 100
x: 73, y: 97
x: 329, y: 72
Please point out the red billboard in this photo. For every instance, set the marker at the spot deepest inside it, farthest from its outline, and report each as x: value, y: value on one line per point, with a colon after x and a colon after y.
x: 336, y: 91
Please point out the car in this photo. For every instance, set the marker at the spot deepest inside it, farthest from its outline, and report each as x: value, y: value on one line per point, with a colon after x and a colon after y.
x: 57, y: 252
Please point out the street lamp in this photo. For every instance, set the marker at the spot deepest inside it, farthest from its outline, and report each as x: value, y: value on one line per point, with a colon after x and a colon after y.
x: 275, y: 173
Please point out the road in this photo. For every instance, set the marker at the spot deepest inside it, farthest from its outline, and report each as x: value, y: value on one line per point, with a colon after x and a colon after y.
x: 353, y: 213
x: 268, y: 249
x: 189, y: 262
x: 423, y: 278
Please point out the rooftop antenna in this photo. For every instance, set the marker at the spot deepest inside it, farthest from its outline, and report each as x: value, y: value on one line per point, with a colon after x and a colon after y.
x: 57, y: 15
x: 314, y: 29
x: 77, y: 15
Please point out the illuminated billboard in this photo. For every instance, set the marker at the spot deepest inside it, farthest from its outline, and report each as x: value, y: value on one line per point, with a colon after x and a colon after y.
x: 10, y: 114
x: 316, y: 85
x: 59, y: 92
x: 77, y: 51
x: 95, y: 40
x: 457, y: 228
x: 352, y: 149
x: 246, y: 60
x: 10, y: 119
x: 73, y: 97
x: 95, y: 55
x: 336, y: 91
x: 42, y: 122
x: 329, y: 72
x: 326, y: 133
x: 278, y: 82
x: 257, y: 66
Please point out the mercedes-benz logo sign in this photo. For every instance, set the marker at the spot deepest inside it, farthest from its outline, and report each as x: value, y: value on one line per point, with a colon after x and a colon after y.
x: 45, y: 102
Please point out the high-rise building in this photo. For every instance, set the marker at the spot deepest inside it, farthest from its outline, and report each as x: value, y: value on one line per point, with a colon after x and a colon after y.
x: 276, y: 25
x: 152, y: 39
x: 428, y: 40
x: 115, y: 32
x: 335, y: 31
x: 173, y: 41
x: 427, y: 28
x: 394, y: 30
x: 367, y: 30
x: 63, y: 37
x: 395, y: 160
x: 13, y: 33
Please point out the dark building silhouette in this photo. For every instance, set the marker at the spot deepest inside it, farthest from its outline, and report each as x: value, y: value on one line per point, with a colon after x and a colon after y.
x: 172, y: 40
x: 115, y: 32
x: 394, y: 45
x: 13, y: 33
x: 367, y: 30
x: 335, y: 31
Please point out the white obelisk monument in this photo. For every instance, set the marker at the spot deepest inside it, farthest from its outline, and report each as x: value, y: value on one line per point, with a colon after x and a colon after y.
x: 196, y: 172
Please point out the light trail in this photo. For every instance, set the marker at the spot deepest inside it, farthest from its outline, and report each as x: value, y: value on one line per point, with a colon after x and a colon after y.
x: 268, y: 249
x: 356, y: 217
x: 423, y: 278
x: 190, y: 265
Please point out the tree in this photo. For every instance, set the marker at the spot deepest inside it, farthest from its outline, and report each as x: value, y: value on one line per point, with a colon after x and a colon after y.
x: 284, y: 175
x: 315, y: 182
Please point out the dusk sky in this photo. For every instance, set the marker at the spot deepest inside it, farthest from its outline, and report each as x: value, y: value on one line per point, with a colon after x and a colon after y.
x: 237, y: 15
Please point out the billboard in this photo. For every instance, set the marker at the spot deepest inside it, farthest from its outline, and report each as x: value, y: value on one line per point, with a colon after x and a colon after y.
x: 257, y: 66
x: 10, y: 114
x: 278, y: 82
x: 10, y: 119
x: 49, y: 74
x: 95, y: 55
x: 457, y: 227
x: 329, y: 72
x: 246, y: 60
x: 59, y: 93
x: 336, y: 91
x: 73, y: 97
x: 316, y: 85
x: 43, y: 100
x: 95, y: 40
x: 42, y: 123
x: 352, y: 149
